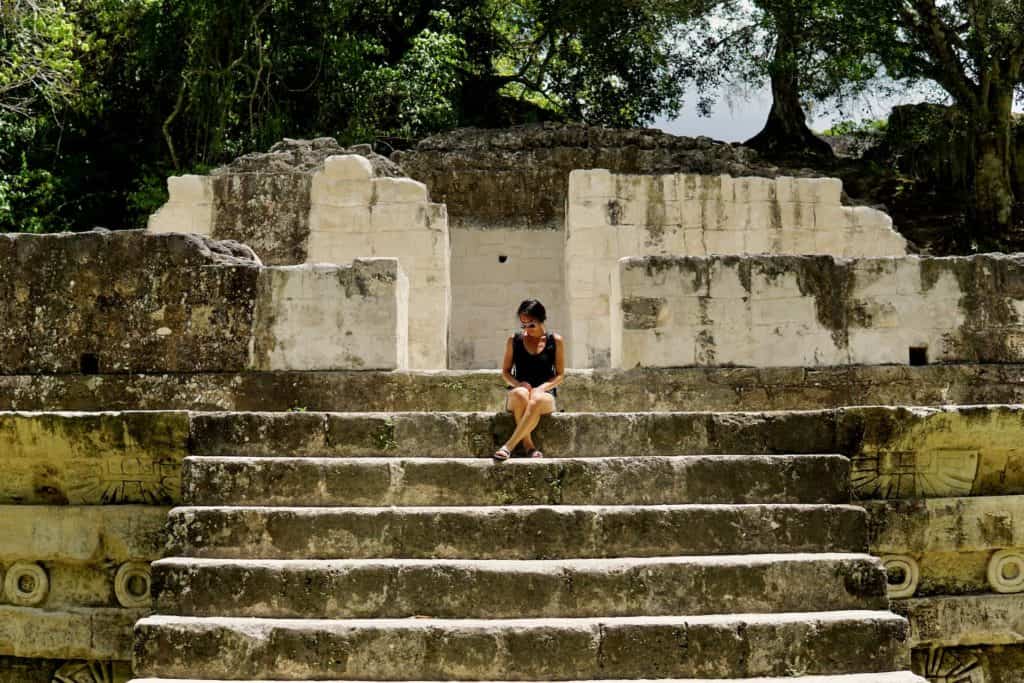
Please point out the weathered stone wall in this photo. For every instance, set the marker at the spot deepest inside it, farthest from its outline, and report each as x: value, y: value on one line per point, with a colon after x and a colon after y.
x: 817, y: 310
x: 261, y: 199
x: 505, y: 191
x: 324, y: 316
x: 314, y: 202
x: 131, y: 301
x: 519, y: 177
x: 944, y: 489
x: 492, y: 271
x: 353, y: 214
x: 83, y: 503
x: 612, y: 216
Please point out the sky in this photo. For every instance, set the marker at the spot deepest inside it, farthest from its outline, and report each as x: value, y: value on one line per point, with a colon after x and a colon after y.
x: 736, y: 118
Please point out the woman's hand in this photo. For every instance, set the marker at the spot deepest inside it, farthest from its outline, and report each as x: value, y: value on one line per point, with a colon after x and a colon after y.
x: 526, y: 385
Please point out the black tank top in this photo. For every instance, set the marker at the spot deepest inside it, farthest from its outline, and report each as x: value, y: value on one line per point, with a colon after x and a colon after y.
x: 535, y: 368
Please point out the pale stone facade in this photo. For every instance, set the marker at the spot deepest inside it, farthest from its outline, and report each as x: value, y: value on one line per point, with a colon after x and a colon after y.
x: 613, y: 216
x: 315, y: 317
x: 134, y: 301
x: 351, y: 214
x: 189, y: 207
x: 493, y: 270
x: 766, y: 311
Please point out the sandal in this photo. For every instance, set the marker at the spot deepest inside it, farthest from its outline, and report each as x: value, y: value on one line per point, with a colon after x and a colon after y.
x: 535, y: 453
x: 502, y: 453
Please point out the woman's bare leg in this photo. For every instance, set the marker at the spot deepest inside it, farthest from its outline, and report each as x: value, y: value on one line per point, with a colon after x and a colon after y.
x: 541, y: 403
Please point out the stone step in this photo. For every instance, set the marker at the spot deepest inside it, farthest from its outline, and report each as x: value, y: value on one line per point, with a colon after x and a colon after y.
x: 448, y: 435
x: 715, y: 646
x: 886, y: 677
x: 671, y: 389
x: 514, y: 532
x: 504, y: 589
x: 554, y: 481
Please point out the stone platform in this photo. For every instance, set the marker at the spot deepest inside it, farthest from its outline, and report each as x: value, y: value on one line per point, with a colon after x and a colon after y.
x: 308, y: 544
x: 660, y: 389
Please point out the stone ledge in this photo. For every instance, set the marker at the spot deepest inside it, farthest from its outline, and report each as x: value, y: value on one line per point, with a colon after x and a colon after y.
x: 937, y: 525
x: 80, y: 633
x: 952, y: 621
x: 672, y: 389
x: 81, y: 534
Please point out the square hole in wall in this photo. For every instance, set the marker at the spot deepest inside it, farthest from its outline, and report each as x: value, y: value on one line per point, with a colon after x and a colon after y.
x: 918, y: 355
x: 89, y: 364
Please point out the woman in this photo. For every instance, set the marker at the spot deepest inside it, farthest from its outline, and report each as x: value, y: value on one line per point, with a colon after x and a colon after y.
x: 534, y: 365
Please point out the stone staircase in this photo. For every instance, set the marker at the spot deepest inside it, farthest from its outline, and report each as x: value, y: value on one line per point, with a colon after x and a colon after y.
x: 320, y: 547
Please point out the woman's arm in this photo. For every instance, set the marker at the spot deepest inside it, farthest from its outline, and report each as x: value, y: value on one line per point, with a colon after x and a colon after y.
x: 506, y: 366
x: 559, y: 366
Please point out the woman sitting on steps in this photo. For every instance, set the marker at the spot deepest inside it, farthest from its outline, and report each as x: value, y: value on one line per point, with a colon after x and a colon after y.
x: 534, y: 365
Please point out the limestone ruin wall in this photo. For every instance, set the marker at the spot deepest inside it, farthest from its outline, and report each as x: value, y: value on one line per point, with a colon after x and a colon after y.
x: 614, y: 216
x: 312, y: 202
x: 133, y: 302
x: 505, y: 191
x: 163, y: 326
x: 811, y: 311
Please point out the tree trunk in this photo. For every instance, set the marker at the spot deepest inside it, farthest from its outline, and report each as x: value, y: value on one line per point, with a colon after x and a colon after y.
x: 786, y: 132
x: 993, y: 172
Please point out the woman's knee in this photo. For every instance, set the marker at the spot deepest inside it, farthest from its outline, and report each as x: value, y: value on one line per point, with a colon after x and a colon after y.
x: 519, y: 393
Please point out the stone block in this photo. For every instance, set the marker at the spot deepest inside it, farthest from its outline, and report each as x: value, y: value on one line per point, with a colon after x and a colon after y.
x: 326, y: 190
x: 760, y: 216
x: 979, y: 523
x: 758, y: 241
x: 819, y: 191
x: 871, y: 219
x: 957, y: 621
x: 830, y: 219
x: 796, y: 216
x: 80, y: 633
x: 590, y: 184
x: 666, y: 188
x: 753, y: 189
x: 786, y: 189
x: 799, y: 242
x: 399, y: 191
x: 331, y: 317
x: 330, y: 218
x: 91, y: 459
x: 724, y: 242
x: 82, y: 534
x: 588, y: 214
x: 691, y: 215
x: 830, y: 242
x: 348, y: 167
x: 633, y: 188
x: 408, y: 218
x: 726, y: 281
x: 689, y: 186
x: 190, y: 189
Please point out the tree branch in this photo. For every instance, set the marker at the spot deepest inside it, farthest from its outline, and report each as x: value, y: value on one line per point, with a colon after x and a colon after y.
x: 924, y: 20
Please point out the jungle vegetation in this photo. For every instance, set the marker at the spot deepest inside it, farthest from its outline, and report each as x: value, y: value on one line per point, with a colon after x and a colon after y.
x: 100, y: 100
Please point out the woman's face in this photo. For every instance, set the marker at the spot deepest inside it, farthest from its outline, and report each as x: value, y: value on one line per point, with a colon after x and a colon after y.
x: 529, y: 325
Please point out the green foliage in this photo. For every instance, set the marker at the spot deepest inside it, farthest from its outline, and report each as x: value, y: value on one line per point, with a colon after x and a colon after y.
x: 826, y: 44
x: 864, y: 127
x: 118, y: 94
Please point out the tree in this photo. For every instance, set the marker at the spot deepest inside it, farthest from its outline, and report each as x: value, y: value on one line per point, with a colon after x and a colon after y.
x: 974, y: 50
x: 805, y: 49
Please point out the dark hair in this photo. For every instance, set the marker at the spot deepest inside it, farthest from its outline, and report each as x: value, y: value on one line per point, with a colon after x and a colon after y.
x: 534, y: 309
